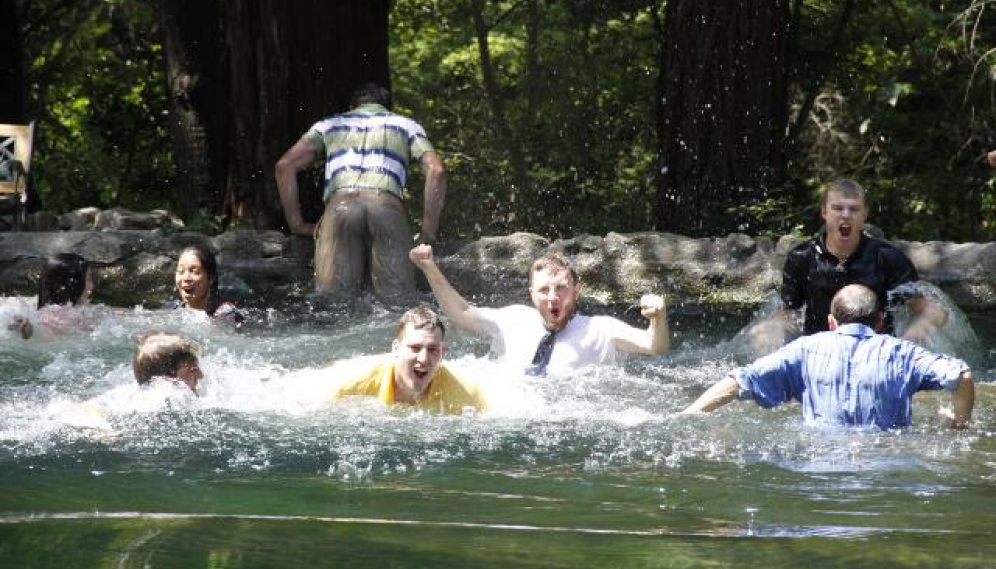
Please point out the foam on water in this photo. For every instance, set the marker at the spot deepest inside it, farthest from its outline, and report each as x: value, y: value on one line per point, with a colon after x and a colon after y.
x: 264, y: 404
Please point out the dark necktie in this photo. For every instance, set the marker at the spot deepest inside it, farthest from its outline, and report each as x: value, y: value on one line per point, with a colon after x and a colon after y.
x: 543, y: 352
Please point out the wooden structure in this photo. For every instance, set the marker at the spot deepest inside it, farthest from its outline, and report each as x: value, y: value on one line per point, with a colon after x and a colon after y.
x: 16, y: 146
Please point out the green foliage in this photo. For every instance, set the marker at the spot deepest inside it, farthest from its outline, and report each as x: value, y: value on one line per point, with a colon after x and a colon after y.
x: 575, y: 79
x: 566, y: 141
x: 904, y: 114
x: 96, y: 91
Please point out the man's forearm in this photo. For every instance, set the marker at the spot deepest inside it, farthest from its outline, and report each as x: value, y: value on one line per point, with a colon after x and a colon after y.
x: 453, y: 304
x: 723, y: 392
x: 289, y: 201
x: 434, y: 198
x: 659, y: 334
x: 962, y: 401
x: 929, y: 310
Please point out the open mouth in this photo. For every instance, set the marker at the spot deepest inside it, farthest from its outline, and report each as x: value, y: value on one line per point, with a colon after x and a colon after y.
x: 845, y: 230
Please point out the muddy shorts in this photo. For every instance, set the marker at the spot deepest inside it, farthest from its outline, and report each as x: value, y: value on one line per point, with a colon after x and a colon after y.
x: 364, y: 238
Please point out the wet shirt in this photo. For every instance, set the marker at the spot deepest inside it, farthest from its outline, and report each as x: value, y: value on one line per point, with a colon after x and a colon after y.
x: 224, y: 311
x: 447, y: 393
x: 517, y: 330
x: 851, y: 377
x: 812, y: 276
x: 368, y: 147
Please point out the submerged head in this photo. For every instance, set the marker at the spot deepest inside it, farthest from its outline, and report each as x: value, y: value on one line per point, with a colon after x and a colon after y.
x: 855, y: 304
x: 169, y: 356
x: 197, y: 277
x: 554, y: 289
x: 844, y: 213
x: 417, y: 351
x: 370, y: 93
x: 65, y: 279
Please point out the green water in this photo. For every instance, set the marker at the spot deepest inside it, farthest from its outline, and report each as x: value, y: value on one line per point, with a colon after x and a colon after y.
x: 587, y: 471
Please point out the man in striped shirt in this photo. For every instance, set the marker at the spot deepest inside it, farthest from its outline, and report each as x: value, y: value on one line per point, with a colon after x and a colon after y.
x: 363, y: 236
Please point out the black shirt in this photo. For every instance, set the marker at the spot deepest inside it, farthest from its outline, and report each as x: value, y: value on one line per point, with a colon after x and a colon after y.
x: 812, y: 275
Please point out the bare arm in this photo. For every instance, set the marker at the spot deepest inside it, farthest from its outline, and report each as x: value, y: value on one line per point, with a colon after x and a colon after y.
x: 656, y: 339
x: 962, y: 401
x: 724, y: 391
x: 435, y: 195
x: 22, y: 326
x: 300, y: 157
x: 459, y: 311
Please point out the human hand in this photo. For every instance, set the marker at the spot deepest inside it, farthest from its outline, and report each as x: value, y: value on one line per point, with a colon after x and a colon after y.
x: 991, y: 158
x: 22, y: 326
x: 947, y: 414
x: 421, y: 255
x: 303, y: 229
x: 918, y: 331
x: 652, y: 306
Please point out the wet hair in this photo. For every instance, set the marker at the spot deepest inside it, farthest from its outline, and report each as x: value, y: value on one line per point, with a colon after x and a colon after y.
x: 63, y: 279
x: 554, y: 263
x: 370, y: 93
x: 855, y: 304
x: 849, y: 188
x: 421, y: 318
x: 158, y: 354
x: 210, y: 265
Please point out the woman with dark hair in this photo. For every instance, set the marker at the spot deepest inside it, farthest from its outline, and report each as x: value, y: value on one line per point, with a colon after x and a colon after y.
x: 66, y: 279
x: 197, y: 285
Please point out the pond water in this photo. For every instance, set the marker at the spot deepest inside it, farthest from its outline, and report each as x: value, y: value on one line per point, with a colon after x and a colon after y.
x: 586, y: 471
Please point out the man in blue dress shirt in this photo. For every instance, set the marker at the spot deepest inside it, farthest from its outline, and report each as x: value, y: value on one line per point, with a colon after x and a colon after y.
x: 849, y: 375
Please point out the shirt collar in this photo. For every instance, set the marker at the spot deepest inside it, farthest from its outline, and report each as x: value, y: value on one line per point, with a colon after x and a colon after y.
x: 855, y: 329
x: 370, y: 108
x: 822, y: 249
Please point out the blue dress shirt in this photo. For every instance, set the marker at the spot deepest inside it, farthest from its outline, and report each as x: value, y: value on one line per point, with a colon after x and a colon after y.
x: 850, y: 376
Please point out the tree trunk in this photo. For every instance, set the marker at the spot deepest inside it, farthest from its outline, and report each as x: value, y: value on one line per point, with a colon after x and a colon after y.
x: 291, y: 64
x: 12, y: 81
x: 724, y: 104
x: 196, y: 99
x: 248, y: 77
x: 495, y: 100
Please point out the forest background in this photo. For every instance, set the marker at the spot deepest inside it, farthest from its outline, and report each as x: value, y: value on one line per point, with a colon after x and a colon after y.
x: 555, y: 117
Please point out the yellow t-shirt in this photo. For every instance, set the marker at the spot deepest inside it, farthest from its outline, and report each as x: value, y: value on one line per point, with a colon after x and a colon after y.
x: 446, y: 393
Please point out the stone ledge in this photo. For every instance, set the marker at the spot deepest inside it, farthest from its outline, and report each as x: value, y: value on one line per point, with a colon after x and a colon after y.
x: 136, y: 266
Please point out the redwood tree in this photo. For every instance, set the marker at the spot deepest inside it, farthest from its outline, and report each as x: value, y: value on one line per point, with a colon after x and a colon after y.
x: 723, y: 108
x: 247, y: 78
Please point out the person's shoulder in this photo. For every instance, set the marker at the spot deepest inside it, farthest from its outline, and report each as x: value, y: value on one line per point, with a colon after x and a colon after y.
x: 227, y: 312
x: 358, y: 376
x: 518, y: 310
x: 596, y: 320
x: 878, y: 243
x: 460, y: 390
x: 886, y: 251
x: 805, y: 248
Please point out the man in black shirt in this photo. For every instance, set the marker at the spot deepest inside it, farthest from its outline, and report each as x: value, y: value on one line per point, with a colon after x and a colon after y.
x: 840, y: 255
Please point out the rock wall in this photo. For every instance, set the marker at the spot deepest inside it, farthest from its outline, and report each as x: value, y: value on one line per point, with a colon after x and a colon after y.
x: 135, y: 266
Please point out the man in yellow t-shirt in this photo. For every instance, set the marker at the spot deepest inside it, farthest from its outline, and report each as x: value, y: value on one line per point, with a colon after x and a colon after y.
x: 413, y: 373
